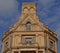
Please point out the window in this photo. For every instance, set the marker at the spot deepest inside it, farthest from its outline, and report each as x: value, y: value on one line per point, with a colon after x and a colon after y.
x: 40, y: 51
x: 28, y: 52
x: 51, y: 44
x: 28, y: 26
x: 6, y: 45
x: 28, y: 39
x: 15, y: 51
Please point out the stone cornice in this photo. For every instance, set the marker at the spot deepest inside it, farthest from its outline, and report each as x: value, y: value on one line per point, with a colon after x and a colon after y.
x: 52, y: 34
x: 52, y: 50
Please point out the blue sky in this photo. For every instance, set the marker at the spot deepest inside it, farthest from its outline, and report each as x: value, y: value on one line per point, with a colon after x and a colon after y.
x: 47, y: 10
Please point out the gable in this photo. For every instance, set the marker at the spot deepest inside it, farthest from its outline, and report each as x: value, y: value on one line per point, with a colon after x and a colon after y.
x: 35, y: 24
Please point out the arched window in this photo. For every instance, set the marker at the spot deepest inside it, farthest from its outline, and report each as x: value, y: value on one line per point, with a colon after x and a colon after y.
x: 28, y: 26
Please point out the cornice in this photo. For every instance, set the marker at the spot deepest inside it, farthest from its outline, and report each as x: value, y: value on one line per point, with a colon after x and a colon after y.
x: 52, y: 34
x: 52, y: 50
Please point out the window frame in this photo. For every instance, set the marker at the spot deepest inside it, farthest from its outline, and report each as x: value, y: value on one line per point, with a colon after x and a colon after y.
x: 28, y: 26
x: 53, y: 44
x: 16, y: 51
x: 28, y: 36
x: 6, y: 45
x: 40, y: 51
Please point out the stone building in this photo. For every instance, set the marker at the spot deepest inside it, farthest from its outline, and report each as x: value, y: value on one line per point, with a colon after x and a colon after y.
x: 29, y: 35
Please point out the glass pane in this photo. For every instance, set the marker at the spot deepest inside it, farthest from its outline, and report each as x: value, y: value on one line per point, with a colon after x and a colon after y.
x: 28, y: 52
x: 15, y: 51
x: 28, y: 41
x: 6, y: 45
x: 28, y: 26
x: 40, y: 51
x: 51, y: 44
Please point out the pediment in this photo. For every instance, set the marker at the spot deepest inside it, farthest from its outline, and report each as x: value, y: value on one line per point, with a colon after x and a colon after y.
x: 36, y: 25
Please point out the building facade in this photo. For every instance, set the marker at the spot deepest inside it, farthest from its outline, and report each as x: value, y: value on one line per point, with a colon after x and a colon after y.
x: 29, y: 35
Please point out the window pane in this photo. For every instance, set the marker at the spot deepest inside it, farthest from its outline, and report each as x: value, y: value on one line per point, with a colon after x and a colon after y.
x: 28, y: 39
x: 15, y: 51
x: 40, y: 52
x: 51, y: 44
x: 28, y: 26
x: 28, y: 52
x: 6, y: 45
